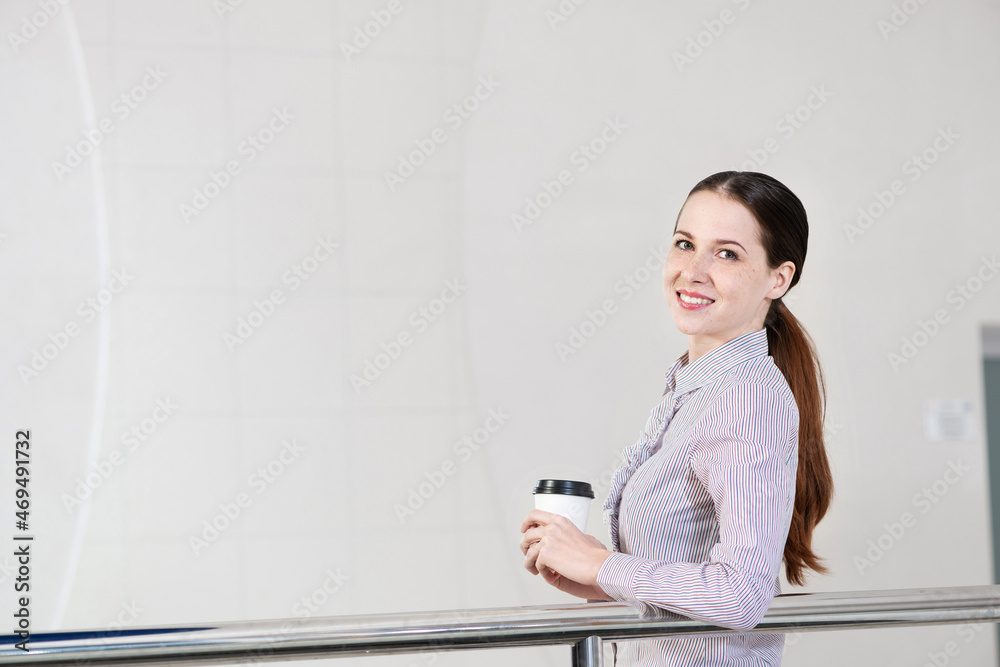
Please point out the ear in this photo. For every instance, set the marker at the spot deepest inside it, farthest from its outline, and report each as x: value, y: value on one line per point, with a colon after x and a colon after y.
x: 782, y: 280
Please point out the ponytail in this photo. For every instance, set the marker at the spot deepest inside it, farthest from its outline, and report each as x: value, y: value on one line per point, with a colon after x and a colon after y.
x: 794, y: 354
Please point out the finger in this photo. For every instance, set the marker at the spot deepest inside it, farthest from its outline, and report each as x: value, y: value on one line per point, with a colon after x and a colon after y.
x: 539, y: 517
x: 527, y: 541
x: 530, y: 558
x: 533, y: 535
x: 540, y: 563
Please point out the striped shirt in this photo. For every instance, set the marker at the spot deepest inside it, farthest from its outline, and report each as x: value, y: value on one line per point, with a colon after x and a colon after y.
x: 700, y: 508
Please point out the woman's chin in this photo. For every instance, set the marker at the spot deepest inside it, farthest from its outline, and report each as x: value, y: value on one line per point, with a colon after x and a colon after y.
x: 686, y: 326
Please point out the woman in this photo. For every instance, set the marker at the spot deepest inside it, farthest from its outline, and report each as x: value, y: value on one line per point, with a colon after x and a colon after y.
x: 730, y: 476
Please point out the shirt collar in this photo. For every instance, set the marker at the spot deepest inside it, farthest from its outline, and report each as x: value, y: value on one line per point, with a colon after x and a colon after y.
x: 683, y: 377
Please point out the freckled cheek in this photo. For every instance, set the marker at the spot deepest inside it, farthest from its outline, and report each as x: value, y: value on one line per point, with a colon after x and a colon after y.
x: 738, y: 284
x: 671, y: 269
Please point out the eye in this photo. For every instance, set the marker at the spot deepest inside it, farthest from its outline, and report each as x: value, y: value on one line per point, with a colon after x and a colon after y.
x: 678, y: 243
x: 734, y: 256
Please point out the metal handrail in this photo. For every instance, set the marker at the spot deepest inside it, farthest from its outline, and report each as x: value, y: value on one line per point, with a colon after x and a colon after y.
x: 584, y: 626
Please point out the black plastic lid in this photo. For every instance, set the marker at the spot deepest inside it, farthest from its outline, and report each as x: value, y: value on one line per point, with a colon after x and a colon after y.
x: 564, y: 487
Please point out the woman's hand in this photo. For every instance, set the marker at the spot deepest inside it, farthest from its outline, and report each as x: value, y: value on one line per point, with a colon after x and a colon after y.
x: 566, y: 558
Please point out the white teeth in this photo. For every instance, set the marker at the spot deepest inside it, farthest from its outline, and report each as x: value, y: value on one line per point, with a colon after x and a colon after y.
x: 690, y: 299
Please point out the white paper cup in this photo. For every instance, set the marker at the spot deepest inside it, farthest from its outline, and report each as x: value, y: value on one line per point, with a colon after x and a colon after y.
x: 566, y: 497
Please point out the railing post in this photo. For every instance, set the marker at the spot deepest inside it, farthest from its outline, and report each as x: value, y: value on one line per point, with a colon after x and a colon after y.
x: 589, y: 652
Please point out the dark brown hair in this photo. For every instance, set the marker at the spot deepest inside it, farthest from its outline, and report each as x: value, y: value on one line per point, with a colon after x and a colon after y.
x: 784, y: 233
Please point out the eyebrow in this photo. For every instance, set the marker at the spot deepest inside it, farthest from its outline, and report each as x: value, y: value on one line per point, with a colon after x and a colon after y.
x: 717, y: 241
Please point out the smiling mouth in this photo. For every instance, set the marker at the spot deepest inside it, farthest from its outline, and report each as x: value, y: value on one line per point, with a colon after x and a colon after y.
x: 693, y: 301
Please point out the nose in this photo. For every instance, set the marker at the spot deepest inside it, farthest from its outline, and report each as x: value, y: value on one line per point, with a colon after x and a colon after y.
x: 695, y: 268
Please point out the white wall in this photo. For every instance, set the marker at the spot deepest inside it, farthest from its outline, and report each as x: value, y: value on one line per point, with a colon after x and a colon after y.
x: 221, y: 76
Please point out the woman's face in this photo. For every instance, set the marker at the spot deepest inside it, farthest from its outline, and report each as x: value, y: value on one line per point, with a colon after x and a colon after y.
x: 717, y: 260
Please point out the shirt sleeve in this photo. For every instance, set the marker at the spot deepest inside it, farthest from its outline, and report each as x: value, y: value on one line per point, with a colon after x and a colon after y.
x: 744, y: 451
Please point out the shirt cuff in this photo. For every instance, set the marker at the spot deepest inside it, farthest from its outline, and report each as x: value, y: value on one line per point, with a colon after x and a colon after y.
x: 617, y: 574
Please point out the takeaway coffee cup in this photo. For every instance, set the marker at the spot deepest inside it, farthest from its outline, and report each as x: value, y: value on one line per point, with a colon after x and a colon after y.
x: 566, y: 497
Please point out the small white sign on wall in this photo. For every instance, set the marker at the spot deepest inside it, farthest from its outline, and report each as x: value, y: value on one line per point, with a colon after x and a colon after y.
x: 948, y: 419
